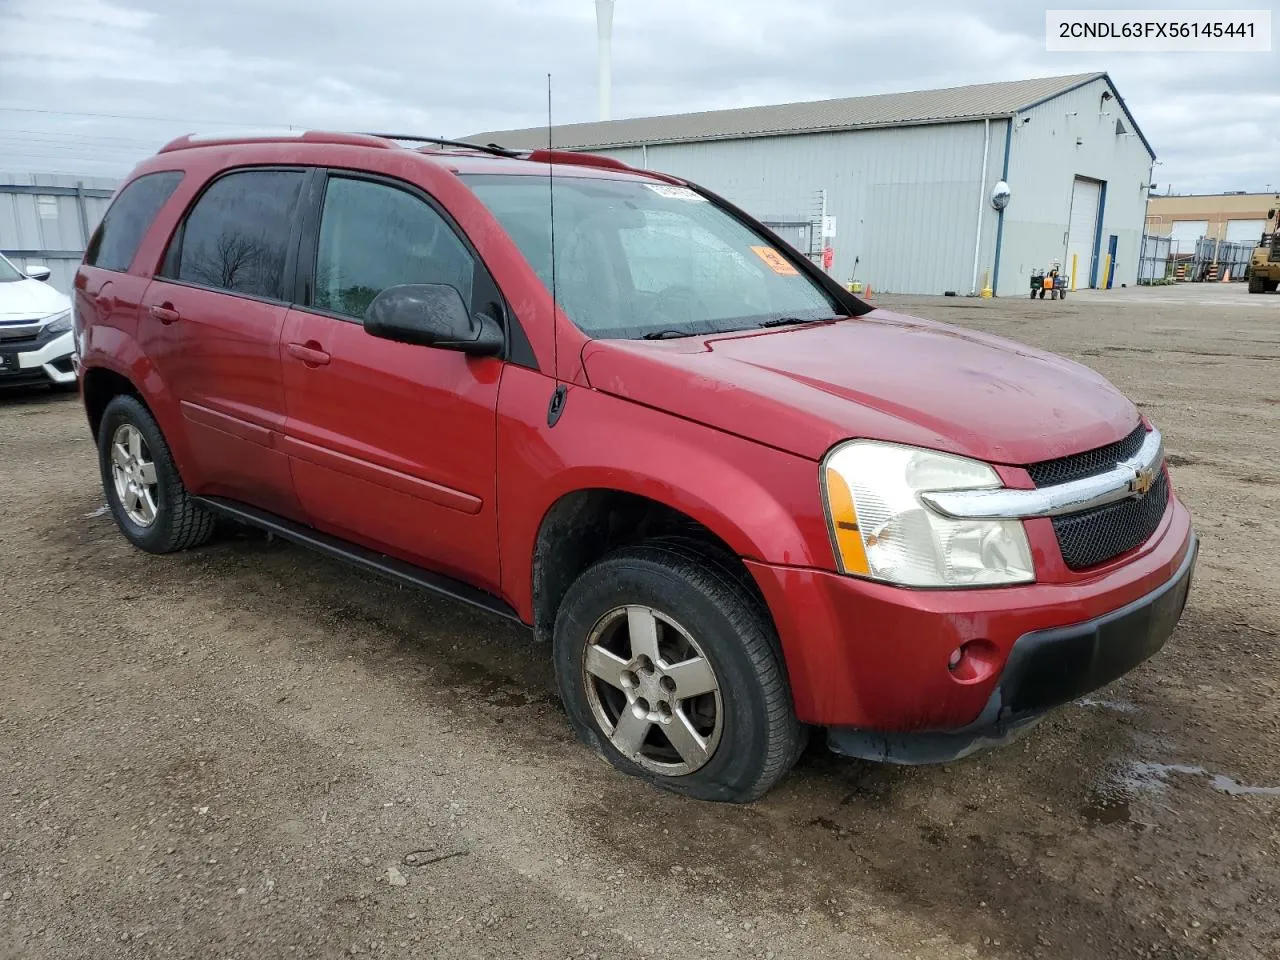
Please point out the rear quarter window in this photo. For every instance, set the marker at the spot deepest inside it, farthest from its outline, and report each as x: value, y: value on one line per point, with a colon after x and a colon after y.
x: 127, y: 220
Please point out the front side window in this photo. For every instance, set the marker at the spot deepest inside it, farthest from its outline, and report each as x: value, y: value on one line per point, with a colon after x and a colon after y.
x: 374, y: 236
x: 236, y: 237
x: 636, y: 258
x: 127, y: 220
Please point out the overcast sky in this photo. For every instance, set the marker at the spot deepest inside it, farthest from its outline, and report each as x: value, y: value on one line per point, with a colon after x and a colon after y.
x: 104, y: 82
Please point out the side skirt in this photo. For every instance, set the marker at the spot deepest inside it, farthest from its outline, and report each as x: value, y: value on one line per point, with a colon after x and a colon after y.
x: 381, y: 564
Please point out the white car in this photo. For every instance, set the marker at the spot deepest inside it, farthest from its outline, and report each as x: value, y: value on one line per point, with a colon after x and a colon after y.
x: 36, y: 342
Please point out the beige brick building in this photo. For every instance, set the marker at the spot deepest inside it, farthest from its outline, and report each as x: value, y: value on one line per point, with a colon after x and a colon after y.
x: 1235, y: 217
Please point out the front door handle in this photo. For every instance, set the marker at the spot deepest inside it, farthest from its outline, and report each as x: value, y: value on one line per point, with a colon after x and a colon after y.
x: 165, y: 313
x: 310, y: 353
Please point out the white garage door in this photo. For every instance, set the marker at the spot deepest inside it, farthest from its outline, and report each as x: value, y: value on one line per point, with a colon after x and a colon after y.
x: 1185, y: 234
x: 1083, y: 229
x: 1245, y: 231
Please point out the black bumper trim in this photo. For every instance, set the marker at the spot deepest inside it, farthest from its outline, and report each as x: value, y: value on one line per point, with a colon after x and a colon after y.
x: 1045, y: 669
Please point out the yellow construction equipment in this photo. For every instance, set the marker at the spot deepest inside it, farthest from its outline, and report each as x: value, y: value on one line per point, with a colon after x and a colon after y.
x: 1264, y: 266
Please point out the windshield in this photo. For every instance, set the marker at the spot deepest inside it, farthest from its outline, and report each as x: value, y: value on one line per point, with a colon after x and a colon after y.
x: 640, y: 258
x: 8, y: 272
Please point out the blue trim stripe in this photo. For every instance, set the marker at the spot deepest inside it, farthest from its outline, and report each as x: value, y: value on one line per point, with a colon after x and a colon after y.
x: 1004, y: 175
x: 1097, y: 235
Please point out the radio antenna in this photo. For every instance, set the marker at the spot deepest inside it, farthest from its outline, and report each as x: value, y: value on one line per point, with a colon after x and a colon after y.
x: 551, y: 196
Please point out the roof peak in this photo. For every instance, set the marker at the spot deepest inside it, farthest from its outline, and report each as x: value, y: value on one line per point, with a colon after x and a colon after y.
x: 938, y: 105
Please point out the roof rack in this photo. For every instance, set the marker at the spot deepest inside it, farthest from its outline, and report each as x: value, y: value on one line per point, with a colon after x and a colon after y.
x: 267, y: 136
x: 493, y: 148
x: 388, y: 141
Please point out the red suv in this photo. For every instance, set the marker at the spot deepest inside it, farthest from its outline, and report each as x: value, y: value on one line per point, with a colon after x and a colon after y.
x: 738, y: 501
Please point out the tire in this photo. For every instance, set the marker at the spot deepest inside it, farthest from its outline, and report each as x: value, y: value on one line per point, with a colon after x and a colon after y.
x: 1257, y: 284
x: 747, y: 733
x: 177, y: 522
x: 1270, y: 286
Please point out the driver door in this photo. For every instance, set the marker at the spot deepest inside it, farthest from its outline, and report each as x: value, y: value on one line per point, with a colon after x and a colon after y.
x: 392, y: 445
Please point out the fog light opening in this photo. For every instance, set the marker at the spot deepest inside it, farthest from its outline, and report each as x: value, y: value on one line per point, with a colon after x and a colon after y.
x: 973, y: 661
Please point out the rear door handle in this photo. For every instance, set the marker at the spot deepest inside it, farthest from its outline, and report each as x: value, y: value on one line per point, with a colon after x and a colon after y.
x: 310, y: 353
x: 165, y: 313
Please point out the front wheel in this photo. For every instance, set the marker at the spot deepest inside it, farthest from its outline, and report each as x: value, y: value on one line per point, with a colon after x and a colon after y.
x: 671, y: 669
x: 1257, y: 284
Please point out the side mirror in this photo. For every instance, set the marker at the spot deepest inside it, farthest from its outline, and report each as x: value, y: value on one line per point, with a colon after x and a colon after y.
x: 39, y: 273
x: 432, y: 315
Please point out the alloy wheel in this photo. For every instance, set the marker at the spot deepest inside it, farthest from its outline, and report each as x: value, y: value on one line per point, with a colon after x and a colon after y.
x: 652, y: 690
x: 134, y: 474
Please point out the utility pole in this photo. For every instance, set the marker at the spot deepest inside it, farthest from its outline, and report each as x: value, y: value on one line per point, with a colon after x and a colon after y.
x: 604, y: 54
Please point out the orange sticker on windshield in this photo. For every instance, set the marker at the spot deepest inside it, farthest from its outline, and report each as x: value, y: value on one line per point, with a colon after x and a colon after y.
x: 776, y: 261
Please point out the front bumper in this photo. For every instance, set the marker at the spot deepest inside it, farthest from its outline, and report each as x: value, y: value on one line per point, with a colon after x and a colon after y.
x: 39, y: 361
x: 871, y: 656
x: 1045, y: 669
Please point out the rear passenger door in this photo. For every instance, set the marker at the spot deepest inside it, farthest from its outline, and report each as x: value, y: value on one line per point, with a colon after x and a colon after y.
x: 212, y: 325
x: 392, y: 444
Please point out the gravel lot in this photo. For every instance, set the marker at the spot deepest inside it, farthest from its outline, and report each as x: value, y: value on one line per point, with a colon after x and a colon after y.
x: 248, y: 751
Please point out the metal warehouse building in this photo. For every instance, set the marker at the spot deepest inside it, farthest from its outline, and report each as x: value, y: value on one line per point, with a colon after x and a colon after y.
x: 46, y: 220
x: 902, y: 183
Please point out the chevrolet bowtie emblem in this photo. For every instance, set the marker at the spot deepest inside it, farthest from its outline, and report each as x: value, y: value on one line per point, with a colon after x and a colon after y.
x: 1140, y: 484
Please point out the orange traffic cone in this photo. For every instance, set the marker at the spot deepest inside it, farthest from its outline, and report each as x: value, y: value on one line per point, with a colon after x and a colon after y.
x: 1226, y: 275
x: 868, y: 294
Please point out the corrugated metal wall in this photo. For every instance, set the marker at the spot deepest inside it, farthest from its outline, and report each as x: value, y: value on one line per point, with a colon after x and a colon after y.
x: 905, y: 199
x: 46, y: 220
x: 1045, y: 159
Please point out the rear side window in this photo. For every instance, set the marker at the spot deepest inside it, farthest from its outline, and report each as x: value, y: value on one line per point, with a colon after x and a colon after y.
x: 236, y: 237
x: 374, y: 236
x: 129, y: 217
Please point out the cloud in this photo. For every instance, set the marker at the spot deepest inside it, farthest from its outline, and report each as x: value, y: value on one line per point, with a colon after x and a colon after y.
x: 447, y: 69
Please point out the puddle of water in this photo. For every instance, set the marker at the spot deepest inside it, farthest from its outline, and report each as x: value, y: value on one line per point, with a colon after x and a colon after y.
x: 1119, y: 706
x: 96, y: 513
x: 1141, y: 776
x: 1110, y: 801
x: 1233, y: 789
x: 1102, y: 809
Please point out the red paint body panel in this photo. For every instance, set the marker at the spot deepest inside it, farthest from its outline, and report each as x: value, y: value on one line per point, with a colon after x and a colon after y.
x: 882, y: 376
x: 221, y: 358
x: 763, y: 503
x: 449, y: 462
x: 863, y: 654
x: 393, y: 446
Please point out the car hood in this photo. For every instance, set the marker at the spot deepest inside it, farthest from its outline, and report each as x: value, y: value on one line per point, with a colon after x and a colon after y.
x: 30, y: 300
x: 882, y: 376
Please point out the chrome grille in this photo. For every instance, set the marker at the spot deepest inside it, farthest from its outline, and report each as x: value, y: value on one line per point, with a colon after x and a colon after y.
x: 1091, y: 537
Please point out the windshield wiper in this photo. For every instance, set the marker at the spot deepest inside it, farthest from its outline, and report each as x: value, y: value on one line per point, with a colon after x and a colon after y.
x: 666, y: 334
x: 786, y: 321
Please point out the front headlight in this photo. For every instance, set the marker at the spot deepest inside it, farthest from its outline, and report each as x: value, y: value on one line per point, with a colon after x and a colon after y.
x: 881, y: 529
x: 58, y: 323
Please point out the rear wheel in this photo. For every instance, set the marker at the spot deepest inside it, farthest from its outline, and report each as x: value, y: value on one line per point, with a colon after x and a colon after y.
x: 670, y: 668
x: 144, y: 492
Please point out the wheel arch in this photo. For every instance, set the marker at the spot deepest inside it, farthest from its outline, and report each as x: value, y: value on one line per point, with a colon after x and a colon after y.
x: 100, y: 382
x: 583, y: 525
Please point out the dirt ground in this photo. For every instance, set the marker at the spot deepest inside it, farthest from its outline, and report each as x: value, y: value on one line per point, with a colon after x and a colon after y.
x: 223, y: 753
